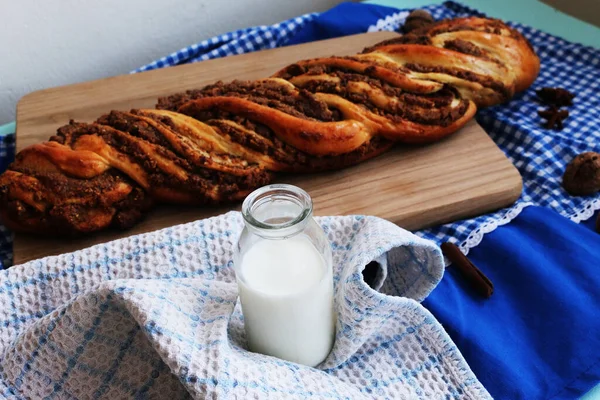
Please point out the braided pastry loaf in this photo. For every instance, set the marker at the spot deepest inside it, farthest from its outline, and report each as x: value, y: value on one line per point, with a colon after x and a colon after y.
x: 218, y: 143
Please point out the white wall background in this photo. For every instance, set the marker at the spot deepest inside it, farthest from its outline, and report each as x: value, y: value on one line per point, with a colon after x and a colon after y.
x: 47, y: 43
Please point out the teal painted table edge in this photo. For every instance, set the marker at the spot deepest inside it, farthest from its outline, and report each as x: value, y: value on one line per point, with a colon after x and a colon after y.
x: 534, y: 14
x: 7, y: 129
x: 528, y: 12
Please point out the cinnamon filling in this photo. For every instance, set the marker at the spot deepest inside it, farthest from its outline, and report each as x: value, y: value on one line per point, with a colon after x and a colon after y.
x: 484, y: 81
x: 317, y: 69
x: 200, y: 179
x: 465, y: 47
x: 297, y: 160
x: 409, y: 38
x: 430, y: 109
x: 297, y: 103
x: 134, y: 126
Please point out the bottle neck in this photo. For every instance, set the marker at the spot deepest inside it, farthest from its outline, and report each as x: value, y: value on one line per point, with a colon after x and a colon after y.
x: 277, y: 211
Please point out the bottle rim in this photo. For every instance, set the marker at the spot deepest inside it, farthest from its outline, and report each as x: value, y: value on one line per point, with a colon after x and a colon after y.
x: 277, y: 191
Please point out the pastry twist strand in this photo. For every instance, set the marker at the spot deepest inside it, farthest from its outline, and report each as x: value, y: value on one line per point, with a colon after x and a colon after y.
x: 218, y: 143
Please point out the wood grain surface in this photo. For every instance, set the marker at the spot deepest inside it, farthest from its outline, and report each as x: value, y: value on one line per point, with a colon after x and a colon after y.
x: 415, y: 187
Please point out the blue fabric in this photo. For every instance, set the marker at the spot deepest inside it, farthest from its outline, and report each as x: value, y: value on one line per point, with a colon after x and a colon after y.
x: 538, y: 336
x: 345, y: 19
x: 7, y: 155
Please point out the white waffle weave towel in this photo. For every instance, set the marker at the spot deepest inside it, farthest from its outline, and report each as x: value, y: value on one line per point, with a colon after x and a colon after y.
x: 157, y: 316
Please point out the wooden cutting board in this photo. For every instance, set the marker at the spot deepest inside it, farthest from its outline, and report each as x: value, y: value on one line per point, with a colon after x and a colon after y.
x: 415, y: 187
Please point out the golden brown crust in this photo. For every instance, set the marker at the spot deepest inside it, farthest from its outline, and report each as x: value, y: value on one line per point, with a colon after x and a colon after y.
x: 313, y: 137
x: 43, y: 202
x: 218, y: 143
x: 486, y: 60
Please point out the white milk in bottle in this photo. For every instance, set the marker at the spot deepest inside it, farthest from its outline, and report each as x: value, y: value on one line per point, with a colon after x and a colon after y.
x: 284, y: 274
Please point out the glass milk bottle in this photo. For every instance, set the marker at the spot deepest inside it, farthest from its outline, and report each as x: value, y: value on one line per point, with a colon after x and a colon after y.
x: 284, y: 274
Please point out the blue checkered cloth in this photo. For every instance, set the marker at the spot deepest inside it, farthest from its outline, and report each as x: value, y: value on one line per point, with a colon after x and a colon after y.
x: 539, y: 154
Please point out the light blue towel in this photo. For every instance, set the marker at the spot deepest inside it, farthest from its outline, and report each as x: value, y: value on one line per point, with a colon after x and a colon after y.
x: 157, y: 315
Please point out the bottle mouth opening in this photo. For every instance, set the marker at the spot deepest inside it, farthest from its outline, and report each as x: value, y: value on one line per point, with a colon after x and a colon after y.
x: 277, y: 207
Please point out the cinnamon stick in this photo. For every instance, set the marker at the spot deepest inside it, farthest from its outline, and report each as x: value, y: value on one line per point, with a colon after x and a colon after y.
x: 474, y: 277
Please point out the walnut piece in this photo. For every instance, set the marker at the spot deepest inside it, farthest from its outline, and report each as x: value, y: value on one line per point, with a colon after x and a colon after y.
x: 582, y: 175
x: 556, y: 96
x: 417, y: 19
x: 554, y: 117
